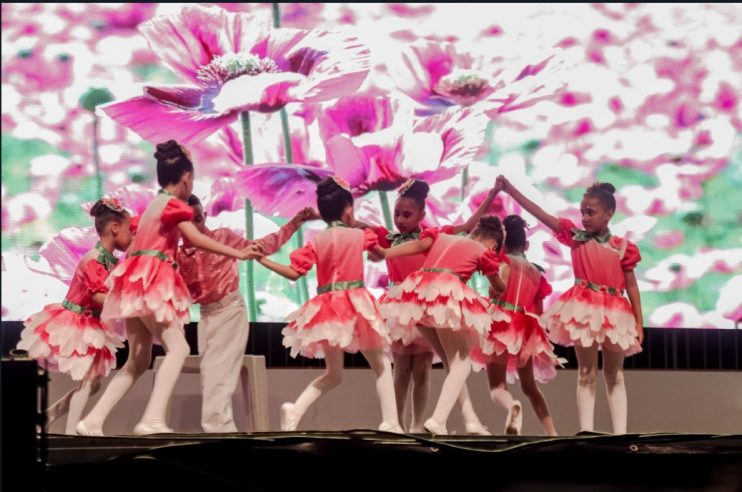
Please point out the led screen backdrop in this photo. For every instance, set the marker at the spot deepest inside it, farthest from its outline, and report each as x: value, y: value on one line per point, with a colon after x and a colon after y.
x: 555, y: 97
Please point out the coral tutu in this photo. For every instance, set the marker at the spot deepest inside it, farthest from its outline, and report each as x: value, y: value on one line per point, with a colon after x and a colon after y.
x: 517, y: 337
x: 437, y: 300
x: 143, y: 286
x: 72, y: 343
x: 585, y: 316
x: 346, y: 319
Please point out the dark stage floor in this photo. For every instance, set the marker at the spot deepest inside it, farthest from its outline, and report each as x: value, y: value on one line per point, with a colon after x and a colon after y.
x: 368, y: 460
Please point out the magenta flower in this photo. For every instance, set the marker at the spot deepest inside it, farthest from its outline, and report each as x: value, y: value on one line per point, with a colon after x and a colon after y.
x: 438, y: 76
x: 218, y: 156
x: 233, y: 64
x: 135, y: 198
x: 306, y: 149
x: 367, y: 148
x: 280, y: 189
x: 223, y: 197
x: 64, y: 251
x: 382, y: 153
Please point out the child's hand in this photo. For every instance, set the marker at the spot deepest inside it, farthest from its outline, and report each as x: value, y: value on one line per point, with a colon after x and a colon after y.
x: 640, y: 333
x: 304, y: 215
x: 495, y: 293
x: 502, y: 183
x: 251, y: 252
x: 492, y: 292
x: 377, y: 254
x: 499, y: 186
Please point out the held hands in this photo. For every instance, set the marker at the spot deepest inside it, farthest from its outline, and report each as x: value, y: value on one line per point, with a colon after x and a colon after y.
x: 498, y: 187
x: 304, y: 215
x: 502, y: 184
x: 495, y: 293
x: 251, y: 252
x: 377, y: 254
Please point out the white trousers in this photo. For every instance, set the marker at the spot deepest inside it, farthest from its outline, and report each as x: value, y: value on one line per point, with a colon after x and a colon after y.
x: 222, y: 338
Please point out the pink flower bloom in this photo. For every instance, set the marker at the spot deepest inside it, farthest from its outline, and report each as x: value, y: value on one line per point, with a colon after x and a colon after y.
x: 367, y: 148
x: 236, y: 64
x: 135, y: 198
x: 224, y: 196
x: 434, y: 149
x: 64, y: 251
x: 669, y: 240
x: 280, y: 189
x: 438, y: 76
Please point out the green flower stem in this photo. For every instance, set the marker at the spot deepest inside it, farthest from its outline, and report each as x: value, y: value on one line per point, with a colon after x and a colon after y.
x: 249, y: 266
x: 387, y: 211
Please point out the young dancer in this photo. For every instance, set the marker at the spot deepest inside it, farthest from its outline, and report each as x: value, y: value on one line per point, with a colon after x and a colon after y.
x: 412, y: 353
x: 436, y: 299
x: 518, y: 346
x: 594, y: 314
x: 147, y: 291
x: 70, y: 337
x: 344, y: 316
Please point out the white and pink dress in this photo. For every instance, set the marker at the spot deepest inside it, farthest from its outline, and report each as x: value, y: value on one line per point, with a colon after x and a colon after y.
x: 595, y: 310
x: 521, y: 334
x: 343, y: 314
x: 147, y: 283
x: 70, y: 337
x: 437, y: 296
x: 406, y: 341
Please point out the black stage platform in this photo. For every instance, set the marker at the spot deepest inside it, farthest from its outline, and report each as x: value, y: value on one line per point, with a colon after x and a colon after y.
x: 369, y: 460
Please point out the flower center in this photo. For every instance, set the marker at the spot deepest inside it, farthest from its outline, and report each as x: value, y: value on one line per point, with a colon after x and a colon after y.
x: 232, y: 65
x: 464, y: 86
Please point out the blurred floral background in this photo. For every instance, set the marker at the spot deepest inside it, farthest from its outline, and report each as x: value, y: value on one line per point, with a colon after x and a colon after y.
x: 645, y: 96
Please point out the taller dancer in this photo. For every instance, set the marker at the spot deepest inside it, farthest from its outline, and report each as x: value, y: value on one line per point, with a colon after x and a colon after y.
x: 594, y: 314
x: 147, y: 291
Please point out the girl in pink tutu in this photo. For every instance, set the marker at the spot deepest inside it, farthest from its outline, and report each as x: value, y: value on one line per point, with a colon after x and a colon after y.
x: 594, y: 314
x: 344, y: 316
x: 412, y: 353
x: 70, y: 337
x: 147, y: 291
x: 436, y: 299
x: 518, y: 346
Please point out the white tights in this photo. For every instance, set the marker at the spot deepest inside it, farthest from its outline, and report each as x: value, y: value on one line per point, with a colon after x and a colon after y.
x: 587, y: 359
x: 333, y: 375
x: 139, y: 332
x: 73, y: 403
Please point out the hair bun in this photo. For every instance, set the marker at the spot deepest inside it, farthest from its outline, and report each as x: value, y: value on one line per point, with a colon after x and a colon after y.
x: 168, y: 150
x: 97, y: 208
x: 514, y: 222
x: 414, y: 188
x: 515, y: 231
x: 602, y: 187
x: 327, y: 186
x: 491, y: 222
